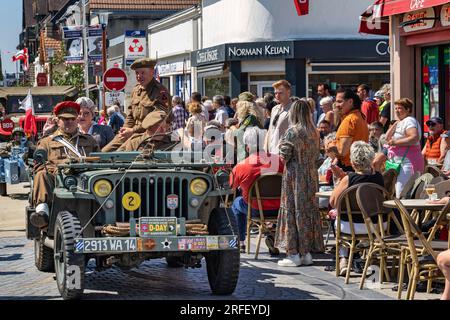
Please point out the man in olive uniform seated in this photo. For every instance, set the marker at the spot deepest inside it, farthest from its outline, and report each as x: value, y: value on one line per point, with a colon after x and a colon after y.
x: 147, y: 96
x: 64, y: 144
x: 156, y: 137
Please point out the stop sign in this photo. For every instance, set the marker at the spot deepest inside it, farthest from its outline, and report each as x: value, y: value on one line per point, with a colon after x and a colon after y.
x: 7, y: 126
x: 114, y: 79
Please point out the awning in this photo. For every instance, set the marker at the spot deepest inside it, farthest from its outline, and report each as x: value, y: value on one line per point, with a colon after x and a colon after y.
x: 375, y: 19
x: 391, y: 7
x: 68, y: 91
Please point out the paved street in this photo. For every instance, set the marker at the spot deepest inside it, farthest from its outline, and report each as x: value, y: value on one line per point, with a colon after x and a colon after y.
x: 259, y: 279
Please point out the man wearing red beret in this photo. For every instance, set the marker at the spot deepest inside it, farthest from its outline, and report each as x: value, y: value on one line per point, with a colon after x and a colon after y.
x: 65, y: 144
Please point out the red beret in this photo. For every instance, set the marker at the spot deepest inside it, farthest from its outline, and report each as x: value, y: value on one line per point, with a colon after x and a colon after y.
x: 67, y: 107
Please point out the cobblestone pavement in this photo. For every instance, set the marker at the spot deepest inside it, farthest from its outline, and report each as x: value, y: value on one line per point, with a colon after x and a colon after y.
x: 259, y: 279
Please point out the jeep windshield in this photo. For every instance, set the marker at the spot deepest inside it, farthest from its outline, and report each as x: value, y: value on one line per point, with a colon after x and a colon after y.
x: 42, y: 104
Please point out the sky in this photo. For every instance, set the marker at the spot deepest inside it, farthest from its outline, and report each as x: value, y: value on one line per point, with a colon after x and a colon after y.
x: 10, y: 29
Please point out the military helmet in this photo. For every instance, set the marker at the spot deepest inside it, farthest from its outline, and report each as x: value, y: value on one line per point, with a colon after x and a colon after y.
x: 18, y: 130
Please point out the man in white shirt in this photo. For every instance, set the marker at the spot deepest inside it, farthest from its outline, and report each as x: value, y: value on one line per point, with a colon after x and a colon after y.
x: 279, y: 120
x: 221, y: 110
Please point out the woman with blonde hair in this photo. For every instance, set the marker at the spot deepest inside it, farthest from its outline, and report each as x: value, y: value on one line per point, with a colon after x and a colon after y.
x: 299, y: 229
x: 195, y: 125
x: 249, y: 115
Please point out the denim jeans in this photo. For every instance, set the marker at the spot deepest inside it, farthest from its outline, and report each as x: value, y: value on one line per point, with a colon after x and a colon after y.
x: 239, y: 208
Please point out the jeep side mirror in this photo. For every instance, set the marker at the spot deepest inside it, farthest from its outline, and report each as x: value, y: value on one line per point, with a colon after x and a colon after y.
x: 40, y: 156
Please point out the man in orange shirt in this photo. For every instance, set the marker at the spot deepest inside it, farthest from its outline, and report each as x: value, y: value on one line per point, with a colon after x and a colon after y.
x: 369, y: 107
x: 353, y: 126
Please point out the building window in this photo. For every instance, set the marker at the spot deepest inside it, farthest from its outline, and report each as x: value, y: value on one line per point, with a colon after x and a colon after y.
x: 165, y: 81
x: 430, y: 84
x: 215, y: 86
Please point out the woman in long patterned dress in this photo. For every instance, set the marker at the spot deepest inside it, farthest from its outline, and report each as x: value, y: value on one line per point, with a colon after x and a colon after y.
x: 299, y: 229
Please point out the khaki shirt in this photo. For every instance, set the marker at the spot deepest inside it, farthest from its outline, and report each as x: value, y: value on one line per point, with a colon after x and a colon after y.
x: 59, y: 154
x: 138, y: 142
x: 144, y: 101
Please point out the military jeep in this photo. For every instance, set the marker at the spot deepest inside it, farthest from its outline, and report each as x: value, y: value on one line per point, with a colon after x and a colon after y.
x: 123, y: 209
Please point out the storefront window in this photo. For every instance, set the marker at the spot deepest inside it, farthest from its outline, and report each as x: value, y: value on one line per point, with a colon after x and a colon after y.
x: 347, y: 80
x: 214, y: 86
x: 430, y: 84
x: 183, y: 86
x: 165, y: 81
x: 447, y: 85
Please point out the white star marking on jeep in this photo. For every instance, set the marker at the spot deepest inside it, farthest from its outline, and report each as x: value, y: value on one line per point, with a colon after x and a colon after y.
x: 166, y: 243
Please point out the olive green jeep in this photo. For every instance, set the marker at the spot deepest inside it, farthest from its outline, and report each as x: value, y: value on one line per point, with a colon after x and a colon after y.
x: 122, y: 208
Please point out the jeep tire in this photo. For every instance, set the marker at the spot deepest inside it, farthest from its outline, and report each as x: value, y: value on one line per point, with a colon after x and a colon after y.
x: 69, y: 266
x: 223, y: 266
x: 43, y: 255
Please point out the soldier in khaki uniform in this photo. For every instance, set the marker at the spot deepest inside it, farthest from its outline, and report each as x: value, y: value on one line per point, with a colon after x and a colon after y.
x: 65, y: 143
x: 156, y: 136
x: 147, y: 96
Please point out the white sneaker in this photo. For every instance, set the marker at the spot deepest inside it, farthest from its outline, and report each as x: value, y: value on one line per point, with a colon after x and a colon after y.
x: 306, y: 260
x: 290, y: 261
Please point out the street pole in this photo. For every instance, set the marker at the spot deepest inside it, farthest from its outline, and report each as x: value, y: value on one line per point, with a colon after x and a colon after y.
x: 103, y: 64
x: 85, y: 51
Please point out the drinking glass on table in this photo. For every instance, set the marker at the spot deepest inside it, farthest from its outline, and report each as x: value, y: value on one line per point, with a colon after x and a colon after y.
x: 430, y: 189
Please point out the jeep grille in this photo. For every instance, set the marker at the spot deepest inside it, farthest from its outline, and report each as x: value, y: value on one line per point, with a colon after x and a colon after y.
x: 153, y: 191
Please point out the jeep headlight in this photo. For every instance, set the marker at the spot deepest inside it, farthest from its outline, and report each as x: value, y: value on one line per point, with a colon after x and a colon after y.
x: 102, y: 188
x: 70, y: 181
x: 198, y: 186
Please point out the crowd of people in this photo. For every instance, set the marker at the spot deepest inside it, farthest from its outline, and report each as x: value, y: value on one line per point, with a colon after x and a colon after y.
x: 342, y: 140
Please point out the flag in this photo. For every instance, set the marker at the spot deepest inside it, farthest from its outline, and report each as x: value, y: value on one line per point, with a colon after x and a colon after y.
x: 302, y: 7
x: 29, y: 125
x: 22, y: 55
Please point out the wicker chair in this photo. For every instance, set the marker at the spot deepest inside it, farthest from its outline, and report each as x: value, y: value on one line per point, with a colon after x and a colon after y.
x: 266, y: 187
x: 370, y: 198
x: 347, y: 206
x: 418, y: 253
x: 435, y: 171
x: 390, y: 178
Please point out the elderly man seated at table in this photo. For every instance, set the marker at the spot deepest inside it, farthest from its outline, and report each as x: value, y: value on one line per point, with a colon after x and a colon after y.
x: 361, y: 157
x: 244, y: 175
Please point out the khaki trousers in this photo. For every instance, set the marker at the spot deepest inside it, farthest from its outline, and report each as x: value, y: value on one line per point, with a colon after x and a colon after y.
x: 114, y: 144
x: 43, y: 186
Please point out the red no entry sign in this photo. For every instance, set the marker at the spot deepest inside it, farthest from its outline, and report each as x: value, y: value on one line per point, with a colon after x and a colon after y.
x: 114, y: 79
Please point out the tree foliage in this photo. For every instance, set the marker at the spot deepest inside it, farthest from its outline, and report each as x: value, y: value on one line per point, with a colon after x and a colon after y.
x: 72, y: 74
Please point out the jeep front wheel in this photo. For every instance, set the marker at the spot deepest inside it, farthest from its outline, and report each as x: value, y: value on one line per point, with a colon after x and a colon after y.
x: 223, y: 266
x: 69, y: 266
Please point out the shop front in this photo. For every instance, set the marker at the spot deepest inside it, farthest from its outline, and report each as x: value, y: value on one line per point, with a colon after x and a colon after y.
x: 175, y: 75
x: 420, y: 43
x: 254, y: 66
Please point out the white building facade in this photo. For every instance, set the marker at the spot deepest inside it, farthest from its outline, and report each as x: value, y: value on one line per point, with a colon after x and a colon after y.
x: 247, y: 45
x: 171, y: 42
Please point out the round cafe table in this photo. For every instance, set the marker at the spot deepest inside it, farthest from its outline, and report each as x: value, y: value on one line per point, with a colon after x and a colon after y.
x: 324, y: 194
x: 417, y: 206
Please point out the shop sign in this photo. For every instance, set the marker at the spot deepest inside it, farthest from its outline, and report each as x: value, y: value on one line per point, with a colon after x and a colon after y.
x: 176, y: 67
x: 208, y: 56
x: 428, y: 21
x: 445, y: 15
x: 260, y: 50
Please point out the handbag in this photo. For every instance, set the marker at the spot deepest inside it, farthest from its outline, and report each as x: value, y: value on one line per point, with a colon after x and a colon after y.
x: 391, y: 164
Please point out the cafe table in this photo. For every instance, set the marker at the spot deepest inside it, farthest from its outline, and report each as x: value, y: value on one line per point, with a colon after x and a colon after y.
x: 324, y: 194
x: 416, y: 206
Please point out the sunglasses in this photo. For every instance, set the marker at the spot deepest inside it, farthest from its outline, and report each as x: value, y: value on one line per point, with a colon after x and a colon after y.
x: 432, y: 124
